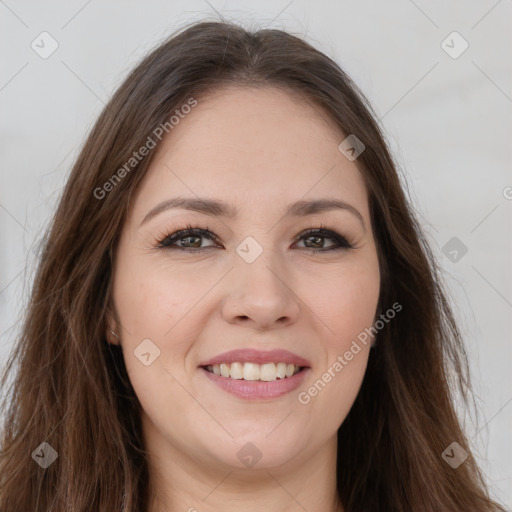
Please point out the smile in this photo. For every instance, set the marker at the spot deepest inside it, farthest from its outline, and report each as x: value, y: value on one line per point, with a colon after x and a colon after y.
x: 253, y: 371
x: 256, y: 375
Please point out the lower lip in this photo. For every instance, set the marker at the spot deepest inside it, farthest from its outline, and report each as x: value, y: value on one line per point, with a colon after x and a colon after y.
x: 257, y: 389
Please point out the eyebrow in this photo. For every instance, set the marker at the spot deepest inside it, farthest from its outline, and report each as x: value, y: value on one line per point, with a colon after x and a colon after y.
x: 216, y: 208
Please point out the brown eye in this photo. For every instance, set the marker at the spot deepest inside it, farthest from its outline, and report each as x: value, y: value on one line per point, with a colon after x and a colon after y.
x: 314, y: 240
x: 188, y: 239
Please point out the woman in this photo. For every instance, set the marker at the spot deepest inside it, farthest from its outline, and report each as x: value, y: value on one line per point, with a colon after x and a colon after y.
x: 305, y: 358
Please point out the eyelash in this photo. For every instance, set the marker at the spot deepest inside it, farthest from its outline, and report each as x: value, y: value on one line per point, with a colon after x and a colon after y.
x: 165, y: 240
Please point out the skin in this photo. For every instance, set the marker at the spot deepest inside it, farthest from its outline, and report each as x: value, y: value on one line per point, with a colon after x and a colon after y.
x: 259, y: 149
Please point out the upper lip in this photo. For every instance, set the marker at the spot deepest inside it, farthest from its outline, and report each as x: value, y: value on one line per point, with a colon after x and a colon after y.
x: 248, y: 355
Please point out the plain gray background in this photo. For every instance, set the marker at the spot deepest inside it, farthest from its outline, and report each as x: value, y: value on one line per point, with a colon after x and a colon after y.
x: 447, y: 116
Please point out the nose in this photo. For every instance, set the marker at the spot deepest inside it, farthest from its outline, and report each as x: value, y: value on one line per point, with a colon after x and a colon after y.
x: 260, y: 295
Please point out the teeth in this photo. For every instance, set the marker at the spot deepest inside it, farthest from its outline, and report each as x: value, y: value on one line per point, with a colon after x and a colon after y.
x: 224, y: 370
x: 251, y: 371
x: 237, y: 371
x: 268, y: 372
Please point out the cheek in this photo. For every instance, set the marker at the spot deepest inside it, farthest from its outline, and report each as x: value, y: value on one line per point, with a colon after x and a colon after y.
x: 347, y: 304
x: 347, y: 308
x: 150, y: 299
x: 156, y: 301
x: 151, y: 304
x: 355, y: 307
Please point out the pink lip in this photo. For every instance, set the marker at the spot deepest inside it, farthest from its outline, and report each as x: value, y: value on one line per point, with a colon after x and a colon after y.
x: 255, y: 389
x: 248, y: 355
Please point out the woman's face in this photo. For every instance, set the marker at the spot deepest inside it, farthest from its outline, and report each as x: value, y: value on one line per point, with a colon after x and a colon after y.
x: 253, y: 290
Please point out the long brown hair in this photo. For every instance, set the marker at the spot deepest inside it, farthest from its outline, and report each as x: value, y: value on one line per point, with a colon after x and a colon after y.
x: 70, y: 387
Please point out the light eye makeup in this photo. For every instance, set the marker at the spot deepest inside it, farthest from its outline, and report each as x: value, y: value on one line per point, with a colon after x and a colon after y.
x: 192, y: 235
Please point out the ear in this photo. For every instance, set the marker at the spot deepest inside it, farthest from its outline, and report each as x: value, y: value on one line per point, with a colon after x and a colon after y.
x: 112, y: 334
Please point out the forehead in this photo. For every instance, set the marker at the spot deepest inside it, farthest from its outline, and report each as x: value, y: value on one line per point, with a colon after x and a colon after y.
x: 253, y: 146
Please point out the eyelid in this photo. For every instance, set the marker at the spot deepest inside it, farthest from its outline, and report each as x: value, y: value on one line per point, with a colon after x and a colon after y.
x: 323, y: 232
x: 342, y: 241
x: 205, y: 232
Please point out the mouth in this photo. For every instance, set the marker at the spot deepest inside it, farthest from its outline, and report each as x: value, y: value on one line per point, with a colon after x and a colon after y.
x: 255, y: 372
x: 256, y: 375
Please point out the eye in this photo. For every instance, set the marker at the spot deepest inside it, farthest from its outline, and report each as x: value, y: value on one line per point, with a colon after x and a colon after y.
x: 190, y: 239
x: 314, y: 238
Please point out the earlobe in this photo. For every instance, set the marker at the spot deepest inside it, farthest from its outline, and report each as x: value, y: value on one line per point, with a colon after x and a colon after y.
x: 111, y: 332
x: 112, y: 337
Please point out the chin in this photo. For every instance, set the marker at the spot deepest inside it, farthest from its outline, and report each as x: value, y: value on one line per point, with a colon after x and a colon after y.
x: 257, y: 450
